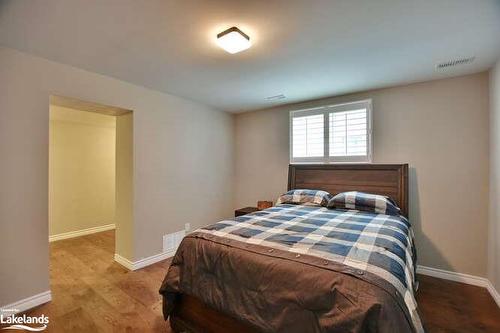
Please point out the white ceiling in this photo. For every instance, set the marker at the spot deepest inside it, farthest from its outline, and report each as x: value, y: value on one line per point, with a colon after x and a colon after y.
x: 304, y: 49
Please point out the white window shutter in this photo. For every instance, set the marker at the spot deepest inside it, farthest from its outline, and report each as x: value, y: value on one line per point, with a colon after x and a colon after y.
x: 330, y: 134
x: 308, y: 136
x: 349, y: 133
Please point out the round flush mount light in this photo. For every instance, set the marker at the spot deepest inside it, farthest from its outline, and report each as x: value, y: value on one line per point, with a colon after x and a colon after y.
x: 233, y: 40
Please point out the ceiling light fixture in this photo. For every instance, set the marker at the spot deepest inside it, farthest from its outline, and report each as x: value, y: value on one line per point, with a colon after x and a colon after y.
x: 233, y: 40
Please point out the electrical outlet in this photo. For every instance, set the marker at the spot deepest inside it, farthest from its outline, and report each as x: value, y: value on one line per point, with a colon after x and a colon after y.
x: 187, y: 227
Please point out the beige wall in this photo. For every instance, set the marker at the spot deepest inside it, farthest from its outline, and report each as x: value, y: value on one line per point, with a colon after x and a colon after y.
x: 440, y: 128
x: 494, y: 226
x: 124, y: 241
x: 175, y: 163
x: 184, y: 153
x: 81, y: 170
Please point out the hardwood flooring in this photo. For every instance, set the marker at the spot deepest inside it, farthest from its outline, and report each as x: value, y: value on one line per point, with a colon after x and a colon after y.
x: 447, y: 306
x: 92, y: 293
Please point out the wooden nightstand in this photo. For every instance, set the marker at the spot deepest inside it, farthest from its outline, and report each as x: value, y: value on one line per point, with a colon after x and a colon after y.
x: 244, y: 211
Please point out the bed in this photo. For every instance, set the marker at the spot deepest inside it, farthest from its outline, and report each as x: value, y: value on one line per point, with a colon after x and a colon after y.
x: 298, y: 268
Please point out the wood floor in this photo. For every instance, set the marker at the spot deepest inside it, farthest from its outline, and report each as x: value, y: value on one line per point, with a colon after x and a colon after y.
x: 447, y: 306
x: 92, y: 293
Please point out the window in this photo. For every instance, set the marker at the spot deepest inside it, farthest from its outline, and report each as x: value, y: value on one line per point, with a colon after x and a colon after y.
x: 331, y: 134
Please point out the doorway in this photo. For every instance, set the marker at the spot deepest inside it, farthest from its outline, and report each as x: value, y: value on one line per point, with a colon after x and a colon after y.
x: 91, y: 177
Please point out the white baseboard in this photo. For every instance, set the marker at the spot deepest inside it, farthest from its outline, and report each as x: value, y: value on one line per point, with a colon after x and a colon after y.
x: 124, y: 262
x: 135, y: 265
x: 28, y: 303
x: 153, y: 259
x: 435, y: 272
x: 452, y: 276
x: 36, y: 300
x: 82, y: 232
x: 494, y: 293
x: 461, y: 277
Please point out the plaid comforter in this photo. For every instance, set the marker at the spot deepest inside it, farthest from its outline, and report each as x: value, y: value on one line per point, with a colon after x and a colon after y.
x: 368, y: 242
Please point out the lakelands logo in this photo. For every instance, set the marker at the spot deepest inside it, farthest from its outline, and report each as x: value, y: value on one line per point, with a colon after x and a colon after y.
x: 24, y: 322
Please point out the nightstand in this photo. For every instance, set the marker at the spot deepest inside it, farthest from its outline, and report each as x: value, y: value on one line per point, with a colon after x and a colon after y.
x: 244, y: 211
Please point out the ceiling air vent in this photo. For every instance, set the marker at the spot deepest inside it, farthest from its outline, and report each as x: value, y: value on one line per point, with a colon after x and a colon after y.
x: 276, y: 97
x: 455, y: 62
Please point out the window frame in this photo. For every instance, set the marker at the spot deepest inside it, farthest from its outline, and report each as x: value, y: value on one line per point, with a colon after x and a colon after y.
x: 325, y: 111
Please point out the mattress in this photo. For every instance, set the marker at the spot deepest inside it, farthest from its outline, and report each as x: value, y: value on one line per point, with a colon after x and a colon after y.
x: 297, y: 268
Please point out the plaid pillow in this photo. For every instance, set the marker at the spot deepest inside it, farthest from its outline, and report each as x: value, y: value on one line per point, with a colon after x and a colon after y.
x: 366, y: 202
x: 305, y: 197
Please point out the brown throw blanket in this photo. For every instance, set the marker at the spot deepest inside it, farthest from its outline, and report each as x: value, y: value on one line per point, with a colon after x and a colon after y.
x: 278, y: 291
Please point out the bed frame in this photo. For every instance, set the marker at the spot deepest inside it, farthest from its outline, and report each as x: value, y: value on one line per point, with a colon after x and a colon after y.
x: 191, y: 315
x: 385, y: 179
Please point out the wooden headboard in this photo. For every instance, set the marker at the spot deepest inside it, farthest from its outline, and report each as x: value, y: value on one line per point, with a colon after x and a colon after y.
x: 385, y: 179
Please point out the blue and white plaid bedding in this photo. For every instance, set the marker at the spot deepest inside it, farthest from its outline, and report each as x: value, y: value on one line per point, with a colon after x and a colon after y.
x: 305, y: 197
x: 364, y: 201
x: 376, y: 243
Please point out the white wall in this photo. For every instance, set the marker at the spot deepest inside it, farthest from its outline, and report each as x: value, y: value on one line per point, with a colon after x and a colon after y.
x: 440, y: 128
x: 183, y: 168
x: 81, y: 170
x: 494, y: 225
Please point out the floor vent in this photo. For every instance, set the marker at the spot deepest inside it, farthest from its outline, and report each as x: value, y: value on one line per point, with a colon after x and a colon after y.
x: 171, y: 241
